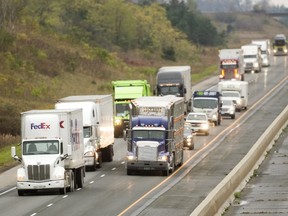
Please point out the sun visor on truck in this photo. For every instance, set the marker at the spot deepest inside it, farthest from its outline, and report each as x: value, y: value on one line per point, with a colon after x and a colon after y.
x: 128, y: 92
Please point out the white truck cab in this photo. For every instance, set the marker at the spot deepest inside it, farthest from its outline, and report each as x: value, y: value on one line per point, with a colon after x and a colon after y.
x: 252, y: 58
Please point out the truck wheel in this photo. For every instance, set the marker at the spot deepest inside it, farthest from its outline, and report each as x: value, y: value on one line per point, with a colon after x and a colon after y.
x: 80, y: 178
x: 20, y: 192
x: 110, y: 153
x: 72, y: 183
x: 129, y: 172
x: 172, y: 164
x: 233, y: 116
x: 165, y: 172
x: 99, y: 162
x: 62, y: 191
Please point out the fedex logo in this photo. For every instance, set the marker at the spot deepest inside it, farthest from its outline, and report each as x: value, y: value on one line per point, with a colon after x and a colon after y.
x: 39, y: 126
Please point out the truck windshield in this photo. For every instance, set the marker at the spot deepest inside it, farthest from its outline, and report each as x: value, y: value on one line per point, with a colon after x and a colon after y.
x: 169, y: 90
x: 232, y: 66
x: 230, y: 94
x: 249, y: 56
x: 148, y: 135
x: 122, y: 109
x: 40, y: 147
x: 280, y: 42
x: 87, y: 132
x: 205, y: 103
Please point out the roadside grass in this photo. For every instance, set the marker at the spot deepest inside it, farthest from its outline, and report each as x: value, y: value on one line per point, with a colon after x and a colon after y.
x: 6, y: 161
x: 206, y: 73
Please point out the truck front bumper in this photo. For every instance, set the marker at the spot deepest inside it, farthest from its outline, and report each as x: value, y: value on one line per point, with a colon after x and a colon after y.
x: 147, y: 165
x: 89, y: 160
x: 32, y: 185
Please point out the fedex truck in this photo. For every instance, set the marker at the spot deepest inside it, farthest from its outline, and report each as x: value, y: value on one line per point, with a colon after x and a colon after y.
x: 52, y: 151
x: 98, y: 127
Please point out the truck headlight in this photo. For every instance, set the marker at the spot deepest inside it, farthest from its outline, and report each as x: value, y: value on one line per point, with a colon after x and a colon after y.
x: 118, y: 122
x: 205, y: 126
x: 89, y: 154
x: 162, y: 158
x: 255, y: 64
x: 59, y: 174
x: 20, y: 177
x: 131, y: 157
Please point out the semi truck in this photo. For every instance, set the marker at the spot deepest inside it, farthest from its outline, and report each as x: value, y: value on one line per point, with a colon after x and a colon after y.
x: 235, y: 90
x: 252, y: 58
x: 175, y: 80
x: 52, y: 151
x: 280, y: 46
x: 208, y: 102
x: 98, y: 126
x: 265, y: 50
x: 155, y: 136
x: 231, y: 64
x: 124, y: 92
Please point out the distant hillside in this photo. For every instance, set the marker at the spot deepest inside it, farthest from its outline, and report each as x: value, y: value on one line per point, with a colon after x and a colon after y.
x: 52, y: 49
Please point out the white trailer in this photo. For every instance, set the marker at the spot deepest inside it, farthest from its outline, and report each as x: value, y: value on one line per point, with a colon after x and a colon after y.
x: 98, y: 126
x: 52, y: 151
x: 252, y: 58
x: 235, y: 90
x: 265, y: 50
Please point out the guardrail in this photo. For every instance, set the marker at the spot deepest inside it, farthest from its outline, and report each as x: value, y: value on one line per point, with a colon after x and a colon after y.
x: 223, y: 194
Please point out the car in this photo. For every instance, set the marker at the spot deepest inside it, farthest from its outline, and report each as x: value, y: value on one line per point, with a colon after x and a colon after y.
x: 188, y: 137
x: 199, y: 122
x: 228, y: 108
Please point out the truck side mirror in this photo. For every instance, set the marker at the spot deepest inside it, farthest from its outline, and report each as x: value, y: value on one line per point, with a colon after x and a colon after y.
x: 13, y: 154
x: 125, y: 135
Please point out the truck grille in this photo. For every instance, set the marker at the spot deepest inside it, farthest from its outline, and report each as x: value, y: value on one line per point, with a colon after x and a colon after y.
x: 249, y: 64
x: 39, y: 172
x: 147, y: 153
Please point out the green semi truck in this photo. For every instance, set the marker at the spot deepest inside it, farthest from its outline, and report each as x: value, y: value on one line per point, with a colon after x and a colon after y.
x: 124, y: 92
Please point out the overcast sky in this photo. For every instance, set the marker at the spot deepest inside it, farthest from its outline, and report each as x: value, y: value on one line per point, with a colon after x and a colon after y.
x: 279, y: 2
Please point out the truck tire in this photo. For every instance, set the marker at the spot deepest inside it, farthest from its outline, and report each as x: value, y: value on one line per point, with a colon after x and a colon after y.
x: 129, y: 172
x: 233, y: 116
x: 165, y: 172
x: 71, y: 183
x: 172, y: 164
x: 80, y: 177
x: 20, y: 192
x: 99, y: 162
x: 62, y: 191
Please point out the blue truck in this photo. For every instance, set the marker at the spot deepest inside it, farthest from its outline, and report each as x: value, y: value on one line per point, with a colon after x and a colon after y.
x: 155, y: 135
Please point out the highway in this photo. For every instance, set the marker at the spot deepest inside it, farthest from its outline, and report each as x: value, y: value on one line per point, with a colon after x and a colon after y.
x: 109, y: 191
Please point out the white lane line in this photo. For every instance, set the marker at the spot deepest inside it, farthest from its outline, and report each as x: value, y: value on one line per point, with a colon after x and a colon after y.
x: 49, y: 205
x: 114, y: 168
x: 7, y: 191
x: 102, y: 175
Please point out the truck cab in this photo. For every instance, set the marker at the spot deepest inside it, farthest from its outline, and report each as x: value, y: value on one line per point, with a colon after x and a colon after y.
x: 208, y: 102
x: 124, y: 92
x: 280, y: 45
x: 175, y: 80
x: 252, y: 58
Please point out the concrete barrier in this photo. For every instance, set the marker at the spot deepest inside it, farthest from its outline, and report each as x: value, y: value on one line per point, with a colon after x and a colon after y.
x: 223, y: 194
